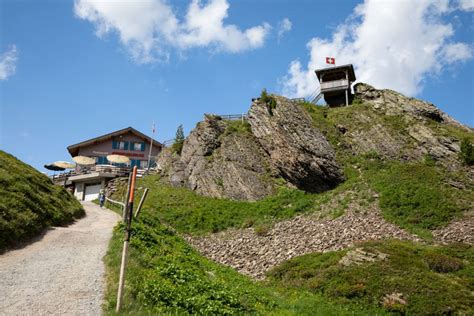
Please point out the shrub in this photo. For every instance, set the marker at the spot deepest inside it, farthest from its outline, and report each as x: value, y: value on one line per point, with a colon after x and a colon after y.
x: 467, y: 152
x: 269, y: 101
x: 442, y: 263
x: 262, y: 230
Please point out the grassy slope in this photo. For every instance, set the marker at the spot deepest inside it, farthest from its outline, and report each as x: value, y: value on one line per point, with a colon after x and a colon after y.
x: 167, y: 275
x: 413, y: 195
x: 30, y: 202
x: 433, y: 280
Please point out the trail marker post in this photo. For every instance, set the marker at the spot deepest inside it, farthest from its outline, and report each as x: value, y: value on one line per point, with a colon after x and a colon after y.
x: 128, y: 215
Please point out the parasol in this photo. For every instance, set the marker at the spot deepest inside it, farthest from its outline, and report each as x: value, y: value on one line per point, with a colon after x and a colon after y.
x: 64, y: 164
x: 118, y: 159
x: 53, y: 167
x: 83, y: 160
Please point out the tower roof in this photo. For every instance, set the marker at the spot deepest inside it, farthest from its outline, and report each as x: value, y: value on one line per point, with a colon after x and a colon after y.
x: 327, y: 71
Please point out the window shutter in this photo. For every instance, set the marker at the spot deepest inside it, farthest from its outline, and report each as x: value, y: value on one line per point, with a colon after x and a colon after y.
x: 114, y: 144
x: 143, y: 146
x: 126, y: 146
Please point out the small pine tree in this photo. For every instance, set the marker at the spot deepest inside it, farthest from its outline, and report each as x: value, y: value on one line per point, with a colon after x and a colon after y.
x: 467, y: 152
x: 178, y: 140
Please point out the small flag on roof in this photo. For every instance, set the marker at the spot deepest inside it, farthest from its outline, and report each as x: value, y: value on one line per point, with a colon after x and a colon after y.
x: 330, y: 60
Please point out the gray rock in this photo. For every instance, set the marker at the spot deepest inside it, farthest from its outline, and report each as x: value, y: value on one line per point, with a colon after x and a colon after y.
x: 299, y: 151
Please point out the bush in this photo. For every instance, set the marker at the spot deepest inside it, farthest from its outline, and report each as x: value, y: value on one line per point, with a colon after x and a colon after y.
x: 269, y: 101
x: 467, y: 152
x: 442, y: 263
x: 262, y: 230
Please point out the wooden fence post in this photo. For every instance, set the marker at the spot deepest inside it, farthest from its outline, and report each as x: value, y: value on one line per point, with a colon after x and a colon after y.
x: 139, y: 208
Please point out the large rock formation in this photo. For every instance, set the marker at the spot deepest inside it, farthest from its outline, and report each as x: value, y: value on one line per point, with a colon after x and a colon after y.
x: 299, y: 151
x: 218, y: 161
x: 284, y: 143
x: 247, y: 160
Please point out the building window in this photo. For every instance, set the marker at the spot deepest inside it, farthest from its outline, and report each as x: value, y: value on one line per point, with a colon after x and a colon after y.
x: 137, y: 146
x: 102, y: 161
x: 135, y: 162
x: 120, y: 145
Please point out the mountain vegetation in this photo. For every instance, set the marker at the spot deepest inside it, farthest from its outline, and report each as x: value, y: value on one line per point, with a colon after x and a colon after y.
x: 29, y: 202
x: 388, y: 173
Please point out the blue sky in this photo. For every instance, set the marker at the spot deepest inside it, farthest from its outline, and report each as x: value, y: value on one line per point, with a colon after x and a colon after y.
x: 72, y: 70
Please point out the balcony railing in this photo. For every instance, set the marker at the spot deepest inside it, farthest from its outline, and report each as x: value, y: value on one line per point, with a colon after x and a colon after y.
x: 334, y: 85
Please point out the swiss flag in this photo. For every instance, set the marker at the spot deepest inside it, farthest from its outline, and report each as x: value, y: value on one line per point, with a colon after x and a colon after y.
x: 330, y: 60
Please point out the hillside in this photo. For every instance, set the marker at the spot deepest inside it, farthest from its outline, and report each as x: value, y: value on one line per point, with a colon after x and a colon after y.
x: 366, y: 209
x: 29, y: 202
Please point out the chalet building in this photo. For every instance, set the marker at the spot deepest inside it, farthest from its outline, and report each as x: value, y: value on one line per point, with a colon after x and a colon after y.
x: 87, y: 181
x: 335, y: 83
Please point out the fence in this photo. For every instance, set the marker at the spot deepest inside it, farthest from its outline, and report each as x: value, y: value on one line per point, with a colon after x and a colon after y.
x: 233, y: 117
x: 114, y: 202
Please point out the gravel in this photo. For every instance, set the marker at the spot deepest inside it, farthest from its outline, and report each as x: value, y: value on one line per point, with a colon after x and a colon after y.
x: 253, y: 254
x: 62, y: 272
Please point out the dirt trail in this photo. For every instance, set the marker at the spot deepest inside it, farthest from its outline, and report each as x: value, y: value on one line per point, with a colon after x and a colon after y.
x: 63, y: 273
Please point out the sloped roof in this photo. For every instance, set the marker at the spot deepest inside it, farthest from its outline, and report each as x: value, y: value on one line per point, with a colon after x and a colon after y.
x: 74, y: 149
x: 349, y: 67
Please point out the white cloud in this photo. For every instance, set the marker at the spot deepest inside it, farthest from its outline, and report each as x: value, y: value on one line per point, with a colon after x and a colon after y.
x: 8, y: 62
x: 392, y: 44
x: 456, y: 52
x: 466, y: 5
x: 150, y: 29
x: 284, y: 26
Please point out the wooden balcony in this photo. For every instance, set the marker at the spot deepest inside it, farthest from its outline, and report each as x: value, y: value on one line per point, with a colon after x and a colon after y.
x: 334, y: 85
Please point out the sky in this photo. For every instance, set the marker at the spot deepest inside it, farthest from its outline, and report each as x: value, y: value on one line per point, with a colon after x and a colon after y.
x: 74, y: 70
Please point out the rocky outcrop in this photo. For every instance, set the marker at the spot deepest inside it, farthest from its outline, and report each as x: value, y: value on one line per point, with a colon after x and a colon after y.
x: 218, y: 161
x: 399, y: 127
x: 299, y: 151
x: 243, y: 160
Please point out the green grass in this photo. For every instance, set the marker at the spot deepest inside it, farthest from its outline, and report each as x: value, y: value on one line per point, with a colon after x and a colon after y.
x: 166, y: 276
x: 407, y: 270
x: 414, y: 195
x: 29, y: 202
x: 189, y: 212
x: 237, y: 127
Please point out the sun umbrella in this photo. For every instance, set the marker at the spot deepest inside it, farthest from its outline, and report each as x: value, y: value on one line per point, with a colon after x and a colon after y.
x: 53, y: 167
x: 118, y: 159
x: 64, y: 164
x: 83, y: 160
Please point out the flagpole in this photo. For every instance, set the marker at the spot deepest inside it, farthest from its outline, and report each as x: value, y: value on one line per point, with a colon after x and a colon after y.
x: 151, y: 146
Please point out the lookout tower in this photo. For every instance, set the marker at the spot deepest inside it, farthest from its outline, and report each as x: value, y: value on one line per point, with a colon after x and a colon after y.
x: 336, y: 84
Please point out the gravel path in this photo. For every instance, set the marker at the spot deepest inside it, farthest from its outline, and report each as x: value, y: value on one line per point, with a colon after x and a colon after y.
x: 62, y: 273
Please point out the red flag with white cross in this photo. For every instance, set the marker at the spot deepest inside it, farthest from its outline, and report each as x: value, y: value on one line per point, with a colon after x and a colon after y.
x: 330, y: 60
